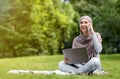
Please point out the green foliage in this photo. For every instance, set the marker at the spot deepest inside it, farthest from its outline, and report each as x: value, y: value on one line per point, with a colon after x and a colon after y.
x: 33, y: 27
x: 109, y: 27
x: 15, y: 28
x: 52, y: 23
x: 106, y: 19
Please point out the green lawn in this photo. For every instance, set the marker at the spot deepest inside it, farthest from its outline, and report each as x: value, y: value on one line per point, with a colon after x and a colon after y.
x: 110, y: 63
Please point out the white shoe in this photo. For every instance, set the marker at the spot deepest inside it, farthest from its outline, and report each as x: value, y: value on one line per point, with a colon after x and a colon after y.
x: 97, y: 72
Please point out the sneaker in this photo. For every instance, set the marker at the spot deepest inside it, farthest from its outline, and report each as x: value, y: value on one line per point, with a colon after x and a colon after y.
x: 97, y: 72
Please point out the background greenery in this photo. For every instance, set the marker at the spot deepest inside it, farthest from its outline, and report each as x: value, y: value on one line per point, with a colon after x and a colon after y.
x: 110, y: 64
x: 44, y: 27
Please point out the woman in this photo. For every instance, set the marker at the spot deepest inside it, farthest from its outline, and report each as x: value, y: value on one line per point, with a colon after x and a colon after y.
x: 91, y: 40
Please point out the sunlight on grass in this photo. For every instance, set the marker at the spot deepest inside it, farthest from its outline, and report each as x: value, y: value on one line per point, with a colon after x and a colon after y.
x: 110, y: 63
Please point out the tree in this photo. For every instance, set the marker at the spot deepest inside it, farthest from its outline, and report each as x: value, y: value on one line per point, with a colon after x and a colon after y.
x: 106, y: 20
x: 52, y: 23
x: 33, y: 27
x: 15, y: 27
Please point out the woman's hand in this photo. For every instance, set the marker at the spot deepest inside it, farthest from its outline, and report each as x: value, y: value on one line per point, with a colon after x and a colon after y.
x: 66, y: 60
x: 90, y: 29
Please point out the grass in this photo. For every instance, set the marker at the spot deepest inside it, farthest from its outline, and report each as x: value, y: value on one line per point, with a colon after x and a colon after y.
x: 110, y: 63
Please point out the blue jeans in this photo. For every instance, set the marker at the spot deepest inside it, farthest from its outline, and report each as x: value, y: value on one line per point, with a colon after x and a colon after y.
x: 91, y: 65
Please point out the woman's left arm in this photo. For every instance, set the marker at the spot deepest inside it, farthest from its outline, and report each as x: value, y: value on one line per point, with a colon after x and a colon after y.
x: 97, y: 42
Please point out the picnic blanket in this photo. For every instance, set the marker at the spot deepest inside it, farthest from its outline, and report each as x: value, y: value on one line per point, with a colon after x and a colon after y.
x: 48, y: 72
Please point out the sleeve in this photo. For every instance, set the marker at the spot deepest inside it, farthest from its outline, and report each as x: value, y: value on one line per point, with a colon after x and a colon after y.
x: 97, y: 42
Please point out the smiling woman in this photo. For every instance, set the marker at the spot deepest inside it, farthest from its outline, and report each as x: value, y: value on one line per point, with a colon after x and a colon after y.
x: 86, y: 25
x: 90, y: 40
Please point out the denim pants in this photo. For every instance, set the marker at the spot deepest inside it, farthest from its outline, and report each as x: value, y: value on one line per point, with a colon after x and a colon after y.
x: 91, y: 65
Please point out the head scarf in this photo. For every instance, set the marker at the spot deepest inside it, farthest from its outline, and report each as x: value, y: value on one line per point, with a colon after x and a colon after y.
x: 82, y: 41
x: 85, y: 42
x: 89, y: 19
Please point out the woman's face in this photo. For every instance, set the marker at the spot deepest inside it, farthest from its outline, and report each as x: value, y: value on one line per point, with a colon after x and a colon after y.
x: 84, y: 25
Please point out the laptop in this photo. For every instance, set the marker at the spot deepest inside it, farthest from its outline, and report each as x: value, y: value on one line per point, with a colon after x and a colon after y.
x: 76, y: 55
